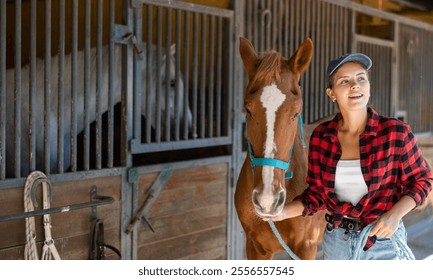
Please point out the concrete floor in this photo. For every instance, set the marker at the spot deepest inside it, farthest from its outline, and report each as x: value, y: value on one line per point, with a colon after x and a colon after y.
x: 420, y: 239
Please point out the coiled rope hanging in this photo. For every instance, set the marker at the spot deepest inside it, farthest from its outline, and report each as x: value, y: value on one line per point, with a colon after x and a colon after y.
x: 49, y: 251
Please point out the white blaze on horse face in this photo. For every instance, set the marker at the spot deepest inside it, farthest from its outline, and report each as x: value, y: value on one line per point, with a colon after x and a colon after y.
x: 272, y: 98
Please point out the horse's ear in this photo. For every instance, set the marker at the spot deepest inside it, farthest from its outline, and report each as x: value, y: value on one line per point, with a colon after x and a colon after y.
x: 300, y: 61
x: 173, y: 49
x: 248, y: 55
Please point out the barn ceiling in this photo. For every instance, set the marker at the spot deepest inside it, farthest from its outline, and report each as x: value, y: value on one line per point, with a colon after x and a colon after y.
x: 421, y: 10
x: 424, y: 5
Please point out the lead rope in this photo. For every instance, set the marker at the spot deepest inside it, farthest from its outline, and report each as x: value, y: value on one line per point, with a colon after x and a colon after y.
x: 49, y: 251
x: 400, y: 244
x: 280, y: 239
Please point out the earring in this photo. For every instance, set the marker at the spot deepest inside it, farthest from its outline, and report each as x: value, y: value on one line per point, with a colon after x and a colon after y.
x: 333, y: 99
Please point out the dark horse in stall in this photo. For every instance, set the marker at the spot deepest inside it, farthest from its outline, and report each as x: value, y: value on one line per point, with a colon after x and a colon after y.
x: 273, y: 104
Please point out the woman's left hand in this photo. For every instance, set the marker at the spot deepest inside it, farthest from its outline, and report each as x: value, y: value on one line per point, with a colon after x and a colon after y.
x: 388, y: 223
x: 385, y: 226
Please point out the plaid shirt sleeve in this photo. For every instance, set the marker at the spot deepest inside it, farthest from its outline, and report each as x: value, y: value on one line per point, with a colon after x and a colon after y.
x: 416, y: 177
x: 315, y: 196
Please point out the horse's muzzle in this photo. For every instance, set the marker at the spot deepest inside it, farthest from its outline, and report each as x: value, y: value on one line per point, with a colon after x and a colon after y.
x: 269, y: 204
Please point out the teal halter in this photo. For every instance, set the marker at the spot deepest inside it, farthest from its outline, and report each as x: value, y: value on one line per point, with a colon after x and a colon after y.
x: 276, y: 162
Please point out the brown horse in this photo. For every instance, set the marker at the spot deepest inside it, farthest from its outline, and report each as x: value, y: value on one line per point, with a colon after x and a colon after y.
x: 273, y: 103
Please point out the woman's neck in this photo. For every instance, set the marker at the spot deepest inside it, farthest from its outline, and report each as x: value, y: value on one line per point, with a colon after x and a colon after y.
x: 353, y: 122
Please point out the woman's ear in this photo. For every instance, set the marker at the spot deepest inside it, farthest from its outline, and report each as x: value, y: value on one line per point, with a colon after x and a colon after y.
x: 330, y: 93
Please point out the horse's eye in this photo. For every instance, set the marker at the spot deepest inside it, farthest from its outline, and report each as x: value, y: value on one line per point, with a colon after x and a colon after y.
x: 248, y: 112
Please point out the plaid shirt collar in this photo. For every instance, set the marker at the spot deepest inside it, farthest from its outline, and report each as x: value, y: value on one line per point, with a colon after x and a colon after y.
x: 370, y: 129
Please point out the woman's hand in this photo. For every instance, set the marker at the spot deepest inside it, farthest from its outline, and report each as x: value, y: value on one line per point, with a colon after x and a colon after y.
x: 385, y: 226
x: 388, y: 223
x: 290, y: 210
x: 277, y: 218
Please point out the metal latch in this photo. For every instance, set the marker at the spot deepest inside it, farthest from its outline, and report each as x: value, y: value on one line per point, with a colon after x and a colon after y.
x: 123, y: 35
x: 133, y: 38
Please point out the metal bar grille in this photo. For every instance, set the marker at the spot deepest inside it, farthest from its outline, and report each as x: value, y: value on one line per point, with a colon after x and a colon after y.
x: 111, y: 89
x: 53, y: 90
x: 2, y: 90
x: 47, y: 90
x: 187, y: 91
x: 61, y: 87
x: 99, y: 82
x: 301, y: 19
x: 17, y: 107
x: 86, y: 130
x: 33, y: 85
x: 74, y: 89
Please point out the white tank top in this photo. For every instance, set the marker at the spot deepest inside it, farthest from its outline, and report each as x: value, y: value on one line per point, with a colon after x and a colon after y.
x: 349, y: 182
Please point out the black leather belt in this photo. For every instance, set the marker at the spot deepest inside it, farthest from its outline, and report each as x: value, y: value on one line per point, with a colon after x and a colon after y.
x: 347, y: 223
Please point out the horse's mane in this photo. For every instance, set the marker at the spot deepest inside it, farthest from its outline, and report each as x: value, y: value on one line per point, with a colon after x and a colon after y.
x: 269, y: 67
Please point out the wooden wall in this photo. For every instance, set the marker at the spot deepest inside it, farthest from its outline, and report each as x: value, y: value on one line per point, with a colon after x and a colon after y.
x: 189, y: 216
x: 70, y: 230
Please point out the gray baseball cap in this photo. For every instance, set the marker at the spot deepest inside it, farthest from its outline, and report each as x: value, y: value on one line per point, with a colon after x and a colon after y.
x: 352, y: 57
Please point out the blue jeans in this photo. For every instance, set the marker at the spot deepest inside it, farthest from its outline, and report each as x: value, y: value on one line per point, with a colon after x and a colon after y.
x: 339, y: 245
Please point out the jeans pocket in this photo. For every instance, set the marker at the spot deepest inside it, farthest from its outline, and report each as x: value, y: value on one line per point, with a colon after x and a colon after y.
x: 383, y: 240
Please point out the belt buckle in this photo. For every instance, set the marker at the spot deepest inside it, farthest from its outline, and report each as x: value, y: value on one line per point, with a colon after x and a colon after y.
x: 348, y: 223
x: 351, y: 224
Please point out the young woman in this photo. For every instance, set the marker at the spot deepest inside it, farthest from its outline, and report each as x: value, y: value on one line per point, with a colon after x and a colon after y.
x: 364, y: 169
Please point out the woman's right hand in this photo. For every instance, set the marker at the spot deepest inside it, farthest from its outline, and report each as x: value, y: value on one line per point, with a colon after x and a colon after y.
x: 290, y: 210
x: 277, y: 218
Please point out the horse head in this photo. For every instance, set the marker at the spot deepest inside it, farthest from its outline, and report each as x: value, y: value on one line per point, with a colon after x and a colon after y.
x: 273, y: 105
x: 167, y: 89
x: 164, y: 88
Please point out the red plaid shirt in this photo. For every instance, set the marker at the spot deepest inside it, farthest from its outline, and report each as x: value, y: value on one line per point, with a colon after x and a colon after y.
x: 391, y: 163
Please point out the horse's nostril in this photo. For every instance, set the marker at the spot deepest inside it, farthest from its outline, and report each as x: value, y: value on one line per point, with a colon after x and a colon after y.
x: 255, y: 199
x: 281, y: 198
x: 259, y: 207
